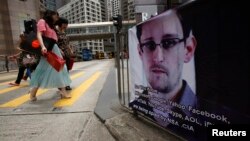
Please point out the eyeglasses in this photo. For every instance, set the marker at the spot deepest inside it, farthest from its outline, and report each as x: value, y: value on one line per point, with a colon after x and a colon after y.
x: 150, y: 46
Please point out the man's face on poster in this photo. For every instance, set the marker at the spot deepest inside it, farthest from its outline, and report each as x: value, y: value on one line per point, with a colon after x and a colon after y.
x: 163, y: 51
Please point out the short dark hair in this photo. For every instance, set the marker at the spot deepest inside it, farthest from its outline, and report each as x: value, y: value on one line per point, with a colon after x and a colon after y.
x: 139, y: 32
x: 183, y: 13
x: 184, y: 23
x: 62, y: 21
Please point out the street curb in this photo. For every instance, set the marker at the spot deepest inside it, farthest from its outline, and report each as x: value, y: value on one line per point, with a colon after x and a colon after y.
x: 127, y: 127
x: 108, y: 104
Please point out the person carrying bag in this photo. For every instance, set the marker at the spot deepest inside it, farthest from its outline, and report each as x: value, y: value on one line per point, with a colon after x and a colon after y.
x: 63, y: 44
x: 55, y: 61
x: 47, y: 73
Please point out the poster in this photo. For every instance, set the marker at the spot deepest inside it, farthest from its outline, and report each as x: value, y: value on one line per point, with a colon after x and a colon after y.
x: 190, y: 68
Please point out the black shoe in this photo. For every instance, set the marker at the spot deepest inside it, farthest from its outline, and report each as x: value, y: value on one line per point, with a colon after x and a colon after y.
x: 68, y: 88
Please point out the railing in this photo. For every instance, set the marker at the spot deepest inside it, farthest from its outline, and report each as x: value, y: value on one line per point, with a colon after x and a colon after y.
x: 7, y: 66
x: 122, y: 63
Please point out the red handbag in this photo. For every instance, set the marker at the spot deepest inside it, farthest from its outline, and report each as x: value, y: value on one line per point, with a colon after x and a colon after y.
x: 55, y: 61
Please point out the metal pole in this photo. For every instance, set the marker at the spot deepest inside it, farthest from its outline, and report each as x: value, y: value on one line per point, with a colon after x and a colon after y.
x: 127, y: 49
x: 122, y: 59
x: 117, y: 37
x: 115, y: 49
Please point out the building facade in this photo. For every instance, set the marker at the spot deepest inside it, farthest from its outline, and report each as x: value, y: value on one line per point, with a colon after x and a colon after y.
x: 109, y: 10
x: 103, y: 9
x: 147, y: 9
x: 128, y: 10
x: 60, y: 3
x: 106, y: 10
x: 83, y: 11
x: 12, y: 16
x: 48, y: 5
x: 131, y: 10
x: 116, y: 7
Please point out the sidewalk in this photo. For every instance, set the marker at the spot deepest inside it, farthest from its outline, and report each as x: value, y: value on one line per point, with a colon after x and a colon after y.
x: 121, y: 123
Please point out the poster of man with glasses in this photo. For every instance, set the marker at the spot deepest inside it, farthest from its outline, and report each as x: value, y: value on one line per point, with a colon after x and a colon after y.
x: 163, y: 48
x: 164, y: 75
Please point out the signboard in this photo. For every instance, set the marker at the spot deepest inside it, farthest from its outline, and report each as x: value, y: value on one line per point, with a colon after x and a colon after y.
x: 189, y: 68
x: 147, y: 9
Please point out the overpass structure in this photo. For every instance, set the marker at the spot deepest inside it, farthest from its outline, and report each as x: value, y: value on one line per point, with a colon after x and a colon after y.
x: 98, y: 30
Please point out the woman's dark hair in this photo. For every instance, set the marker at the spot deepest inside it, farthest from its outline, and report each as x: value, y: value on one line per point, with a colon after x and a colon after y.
x: 62, y: 21
x: 48, y: 18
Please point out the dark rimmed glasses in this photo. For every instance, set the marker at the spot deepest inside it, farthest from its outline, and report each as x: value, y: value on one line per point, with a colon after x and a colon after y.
x: 150, y: 46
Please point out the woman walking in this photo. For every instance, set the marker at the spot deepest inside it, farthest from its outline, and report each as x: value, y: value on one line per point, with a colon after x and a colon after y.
x: 22, y: 66
x: 45, y: 76
x: 63, y: 43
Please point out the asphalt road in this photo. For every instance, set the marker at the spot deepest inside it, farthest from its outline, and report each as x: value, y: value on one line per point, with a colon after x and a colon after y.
x: 50, y: 118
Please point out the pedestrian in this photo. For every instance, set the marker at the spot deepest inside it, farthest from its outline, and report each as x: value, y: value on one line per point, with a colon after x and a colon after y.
x: 63, y: 43
x: 6, y: 60
x: 24, y: 60
x: 23, y: 66
x: 7, y: 63
x: 45, y: 76
x: 27, y: 75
